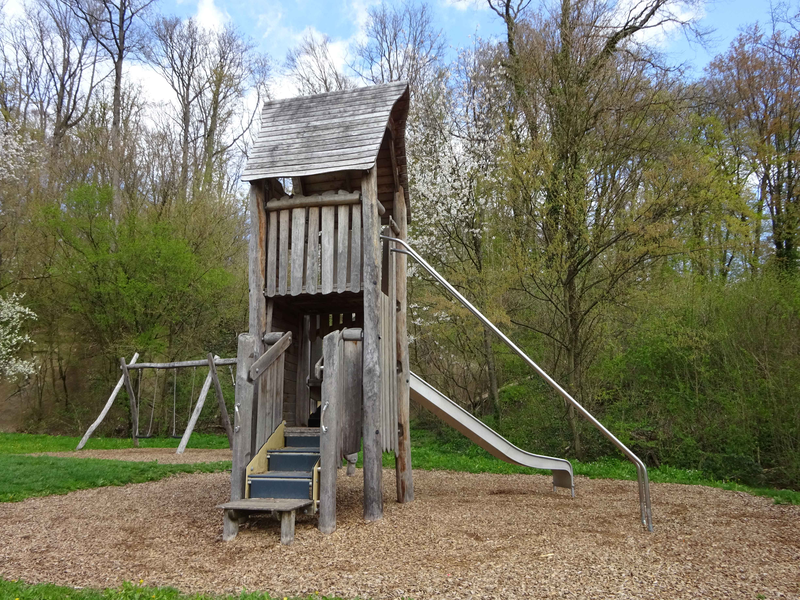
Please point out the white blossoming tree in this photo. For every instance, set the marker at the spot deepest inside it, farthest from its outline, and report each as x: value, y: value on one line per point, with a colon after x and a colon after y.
x: 13, y: 339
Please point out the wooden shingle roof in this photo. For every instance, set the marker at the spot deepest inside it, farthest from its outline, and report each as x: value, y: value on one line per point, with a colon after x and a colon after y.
x: 337, y: 131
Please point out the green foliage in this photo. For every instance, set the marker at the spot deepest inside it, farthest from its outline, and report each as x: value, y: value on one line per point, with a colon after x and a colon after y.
x: 30, y: 443
x: 28, y: 476
x: 19, y: 590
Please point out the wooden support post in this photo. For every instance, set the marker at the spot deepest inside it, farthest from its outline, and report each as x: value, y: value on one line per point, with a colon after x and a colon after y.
x: 106, y: 408
x: 404, y: 476
x: 302, y: 397
x: 257, y: 302
x: 195, y: 414
x: 329, y: 456
x: 242, y: 421
x: 230, y: 525
x: 287, y: 527
x: 351, y: 459
x: 133, y: 401
x: 371, y: 382
x: 223, y: 410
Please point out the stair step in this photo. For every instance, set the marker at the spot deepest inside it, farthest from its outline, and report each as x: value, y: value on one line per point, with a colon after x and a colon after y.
x: 282, y: 475
x: 280, y: 487
x: 290, y: 460
x: 302, y: 441
x: 266, y: 504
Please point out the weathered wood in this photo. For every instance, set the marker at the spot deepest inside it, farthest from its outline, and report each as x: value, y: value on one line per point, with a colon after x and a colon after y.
x: 263, y: 363
x: 371, y: 381
x: 298, y: 249
x: 230, y: 525
x: 302, y: 399
x: 351, y: 459
x: 350, y: 419
x: 283, y: 253
x: 258, y: 258
x: 328, y: 216
x: 242, y: 415
x: 342, y: 248
x: 223, y: 411
x: 355, y: 250
x: 277, y: 398
x: 330, y: 458
x: 265, y: 504
x: 133, y: 402
x: 312, y: 262
x: 403, y: 472
x: 272, y: 337
x: 107, y: 407
x: 287, y: 527
x: 272, y: 254
x: 316, y: 200
x: 178, y: 365
x: 195, y: 415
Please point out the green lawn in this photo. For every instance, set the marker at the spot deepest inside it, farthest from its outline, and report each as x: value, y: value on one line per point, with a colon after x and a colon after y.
x: 28, y: 443
x: 17, y: 590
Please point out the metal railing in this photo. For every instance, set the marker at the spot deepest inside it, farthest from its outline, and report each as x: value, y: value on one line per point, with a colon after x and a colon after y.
x: 641, y: 469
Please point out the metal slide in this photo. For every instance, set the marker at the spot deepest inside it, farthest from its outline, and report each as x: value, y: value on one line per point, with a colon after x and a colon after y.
x: 645, y: 509
x: 487, y: 438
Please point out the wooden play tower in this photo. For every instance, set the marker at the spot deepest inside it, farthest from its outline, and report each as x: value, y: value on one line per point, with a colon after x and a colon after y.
x: 327, y: 331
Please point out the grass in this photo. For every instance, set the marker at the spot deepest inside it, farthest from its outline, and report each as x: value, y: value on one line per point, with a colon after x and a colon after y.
x: 18, y: 590
x: 29, y: 443
x: 28, y: 476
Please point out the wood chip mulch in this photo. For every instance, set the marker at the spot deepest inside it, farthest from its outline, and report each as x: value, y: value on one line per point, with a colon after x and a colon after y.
x: 164, y: 456
x: 465, y: 536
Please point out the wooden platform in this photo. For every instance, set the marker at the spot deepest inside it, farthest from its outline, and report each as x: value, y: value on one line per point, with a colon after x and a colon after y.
x: 266, y: 504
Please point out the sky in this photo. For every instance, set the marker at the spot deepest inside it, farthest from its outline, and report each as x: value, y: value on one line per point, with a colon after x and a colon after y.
x: 277, y: 25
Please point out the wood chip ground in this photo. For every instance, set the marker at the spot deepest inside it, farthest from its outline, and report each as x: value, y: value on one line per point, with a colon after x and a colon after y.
x: 465, y: 536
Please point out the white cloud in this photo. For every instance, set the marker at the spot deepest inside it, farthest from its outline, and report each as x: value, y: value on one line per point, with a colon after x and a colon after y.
x: 672, y: 15
x: 210, y: 17
x: 466, y: 4
x: 12, y: 8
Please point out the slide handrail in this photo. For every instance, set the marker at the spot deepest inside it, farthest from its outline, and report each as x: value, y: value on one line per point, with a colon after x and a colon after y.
x: 641, y: 469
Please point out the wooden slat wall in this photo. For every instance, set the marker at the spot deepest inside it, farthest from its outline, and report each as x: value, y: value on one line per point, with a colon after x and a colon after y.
x: 350, y: 410
x: 314, y: 250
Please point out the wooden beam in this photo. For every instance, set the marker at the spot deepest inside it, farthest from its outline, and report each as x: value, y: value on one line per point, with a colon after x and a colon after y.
x: 223, y: 410
x: 195, y: 415
x: 133, y: 402
x: 242, y: 415
x: 179, y: 365
x: 404, y: 476
x: 328, y: 199
x: 106, y: 408
x: 371, y: 381
x: 265, y: 360
x: 329, y: 431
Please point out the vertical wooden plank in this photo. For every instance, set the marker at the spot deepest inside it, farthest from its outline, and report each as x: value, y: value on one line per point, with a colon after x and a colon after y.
x: 283, y: 253
x: 355, y: 249
x: 277, y: 399
x: 298, y: 249
x: 342, y: 248
x: 371, y: 380
x: 242, y: 414
x: 287, y: 527
x: 403, y: 473
x: 302, y: 404
x: 312, y: 263
x: 223, y: 411
x: 329, y: 433
x: 258, y: 250
x: 272, y: 253
x: 195, y: 414
x: 328, y: 217
x: 132, y: 401
x: 351, y: 419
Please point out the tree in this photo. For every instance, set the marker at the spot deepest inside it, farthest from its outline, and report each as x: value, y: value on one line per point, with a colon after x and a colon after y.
x: 589, y: 191
x: 311, y: 67
x: 12, y: 340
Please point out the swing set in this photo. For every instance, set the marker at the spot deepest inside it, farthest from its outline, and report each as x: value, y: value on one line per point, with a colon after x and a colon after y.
x: 135, y: 397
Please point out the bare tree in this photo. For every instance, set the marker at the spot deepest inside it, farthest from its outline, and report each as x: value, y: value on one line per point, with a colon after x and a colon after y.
x: 402, y: 44
x: 118, y: 27
x: 179, y: 53
x: 311, y: 66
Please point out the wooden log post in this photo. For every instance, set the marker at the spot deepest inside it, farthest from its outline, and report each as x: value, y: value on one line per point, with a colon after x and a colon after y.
x: 106, y: 408
x: 195, y: 414
x: 242, y: 421
x: 230, y: 525
x: 257, y: 302
x: 329, y: 431
x: 133, y: 401
x: 404, y: 476
x: 371, y: 382
x: 223, y: 410
x: 287, y: 527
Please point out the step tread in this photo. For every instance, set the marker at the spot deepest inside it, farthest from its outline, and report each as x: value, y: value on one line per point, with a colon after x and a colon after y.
x: 301, y: 431
x: 282, y: 474
x: 266, y: 504
x: 295, y: 450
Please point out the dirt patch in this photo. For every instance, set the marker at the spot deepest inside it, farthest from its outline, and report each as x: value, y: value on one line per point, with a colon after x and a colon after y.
x: 460, y: 538
x: 164, y: 456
